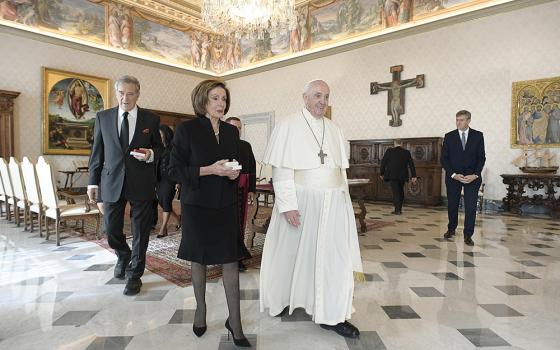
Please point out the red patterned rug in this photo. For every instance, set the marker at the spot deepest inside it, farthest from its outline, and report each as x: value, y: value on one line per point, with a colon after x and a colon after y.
x: 161, y: 257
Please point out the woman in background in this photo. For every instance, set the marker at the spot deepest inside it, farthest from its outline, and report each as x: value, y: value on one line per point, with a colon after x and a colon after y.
x: 166, y: 187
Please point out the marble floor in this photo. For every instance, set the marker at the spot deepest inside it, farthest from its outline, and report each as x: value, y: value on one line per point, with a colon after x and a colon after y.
x: 421, y: 293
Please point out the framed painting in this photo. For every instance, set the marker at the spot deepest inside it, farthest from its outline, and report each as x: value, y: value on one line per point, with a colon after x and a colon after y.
x: 70, y: 102
x: 535, y: 113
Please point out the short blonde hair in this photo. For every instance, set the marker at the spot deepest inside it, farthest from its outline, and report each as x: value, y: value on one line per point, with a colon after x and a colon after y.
x: 199, y: 95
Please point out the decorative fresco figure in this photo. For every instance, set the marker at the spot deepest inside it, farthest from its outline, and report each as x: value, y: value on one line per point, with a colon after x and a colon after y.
x: 205, y: 51
x: 391, y: 11
x: 404, y: 11
x: 8, y: 10
x: 195, y: 49
x: 218, y: 59
x: 119, y: 27
x: 295, y: 38
x: 78, y: 98
x: 114, y: 27
x: 230, y: 52
x: 304, y: 32
x: 126, y: 30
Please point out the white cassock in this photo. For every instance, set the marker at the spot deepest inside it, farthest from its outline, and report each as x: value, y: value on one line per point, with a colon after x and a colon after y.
x: 310, y: 266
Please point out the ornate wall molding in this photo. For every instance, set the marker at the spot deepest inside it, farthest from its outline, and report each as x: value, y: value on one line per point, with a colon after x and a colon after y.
x: 7, y: 123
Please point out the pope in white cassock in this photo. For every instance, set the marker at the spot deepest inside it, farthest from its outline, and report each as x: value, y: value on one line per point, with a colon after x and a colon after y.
x: 311, y: 253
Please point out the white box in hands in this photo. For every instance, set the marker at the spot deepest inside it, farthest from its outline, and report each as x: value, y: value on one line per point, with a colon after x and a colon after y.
x: 137, y: 153
x: 233, y: 165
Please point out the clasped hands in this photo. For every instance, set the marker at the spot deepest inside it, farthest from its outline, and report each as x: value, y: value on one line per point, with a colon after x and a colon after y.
x: 466, y: 179
x: 220, y: 169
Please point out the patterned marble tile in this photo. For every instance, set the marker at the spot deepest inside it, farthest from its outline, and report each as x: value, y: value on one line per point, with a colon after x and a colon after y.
x: 483, y: 337
x: 109, y: 343
x: 400, y: 312
x: 513, y: 290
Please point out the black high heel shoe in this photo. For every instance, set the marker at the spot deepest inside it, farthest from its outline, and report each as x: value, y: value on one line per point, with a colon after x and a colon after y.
x: 243, y: 342
x: 198, y: 331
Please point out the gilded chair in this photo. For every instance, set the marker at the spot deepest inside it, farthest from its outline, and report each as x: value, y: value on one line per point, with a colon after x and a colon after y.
x: 60, y: 212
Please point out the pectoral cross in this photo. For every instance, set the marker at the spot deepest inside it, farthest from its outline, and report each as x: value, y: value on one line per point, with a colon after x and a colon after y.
x: 322, y: 155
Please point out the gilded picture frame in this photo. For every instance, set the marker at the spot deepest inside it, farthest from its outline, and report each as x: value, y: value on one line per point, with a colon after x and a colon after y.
x: 535, y: 113
x: 70, y: 103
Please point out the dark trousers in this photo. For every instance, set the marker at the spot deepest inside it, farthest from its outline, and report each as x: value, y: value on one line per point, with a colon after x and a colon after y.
x: 397, y: 187
x: 470, y: 197
x: 141, y: 214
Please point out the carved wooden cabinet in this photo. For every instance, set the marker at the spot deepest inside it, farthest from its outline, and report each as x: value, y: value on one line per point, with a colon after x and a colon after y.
x: 7, y: 123
x: 365, y: 160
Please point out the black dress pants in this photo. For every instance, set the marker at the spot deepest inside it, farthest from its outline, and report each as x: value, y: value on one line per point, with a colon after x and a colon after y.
x: 142, y: 214
x: 397, y: 187
x: 470, y: 197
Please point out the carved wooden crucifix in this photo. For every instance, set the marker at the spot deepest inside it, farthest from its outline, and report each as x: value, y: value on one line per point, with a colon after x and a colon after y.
x: 395, y: 88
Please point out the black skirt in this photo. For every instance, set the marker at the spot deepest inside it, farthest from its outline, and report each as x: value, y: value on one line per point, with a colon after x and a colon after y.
x: 165, y: 194
x: 211, y: 236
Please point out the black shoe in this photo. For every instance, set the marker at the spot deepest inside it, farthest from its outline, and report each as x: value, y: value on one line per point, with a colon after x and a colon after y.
x: 345, y: 329
x: 396, y: 212
x: 469, y: 241
x: 283, y: 312
x: 198, y: 331
x: 449, y: 234
x: 120, y: 267
x: 161, y: 235
x: 243, y: 342
x: 242, y: 267
x: 133, y: 286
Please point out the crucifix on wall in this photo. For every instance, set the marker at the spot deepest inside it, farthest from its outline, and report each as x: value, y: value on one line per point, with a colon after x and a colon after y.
x: 395, y: 88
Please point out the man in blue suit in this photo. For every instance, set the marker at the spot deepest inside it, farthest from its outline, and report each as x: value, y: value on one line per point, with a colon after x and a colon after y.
x: 462, y: 158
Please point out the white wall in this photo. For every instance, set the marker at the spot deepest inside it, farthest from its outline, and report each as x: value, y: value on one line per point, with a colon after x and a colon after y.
x: 21, y: 60
x: 469, y: 65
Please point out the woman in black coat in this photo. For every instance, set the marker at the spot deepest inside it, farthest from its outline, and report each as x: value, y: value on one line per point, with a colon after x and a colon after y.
x: 201, y: 147
x: 166, y: 186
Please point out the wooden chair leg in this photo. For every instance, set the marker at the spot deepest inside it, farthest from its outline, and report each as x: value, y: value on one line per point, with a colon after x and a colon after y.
x: 57, y: 224
x: 25, y: 218
x: 40, y: 215
x: 47, y: 227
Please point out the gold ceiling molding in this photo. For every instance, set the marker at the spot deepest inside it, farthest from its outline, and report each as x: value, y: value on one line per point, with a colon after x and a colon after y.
x: 182, y: 13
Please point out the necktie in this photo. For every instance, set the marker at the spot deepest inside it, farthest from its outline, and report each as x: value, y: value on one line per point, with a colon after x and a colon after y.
x: 463, y: 140
x: 123, y: 137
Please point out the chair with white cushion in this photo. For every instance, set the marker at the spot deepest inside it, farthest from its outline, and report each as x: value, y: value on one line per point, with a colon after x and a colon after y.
x: 20, y: 197
x: 8, y: 189
x: 55, y: 210
x: 34, y: 203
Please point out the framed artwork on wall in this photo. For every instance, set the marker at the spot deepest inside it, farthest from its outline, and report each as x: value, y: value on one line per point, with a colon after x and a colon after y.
x: 535, y: 113
x: 70, y: 103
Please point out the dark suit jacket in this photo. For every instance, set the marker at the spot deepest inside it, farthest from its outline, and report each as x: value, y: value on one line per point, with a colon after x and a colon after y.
x: 455, y: 160
x: 195, y: 146
x: 109, y: 163
x: 248, y: 163
x: 395, y: 164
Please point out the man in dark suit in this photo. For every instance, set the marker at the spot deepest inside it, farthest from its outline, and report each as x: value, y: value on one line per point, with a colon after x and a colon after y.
x: 463, y: 158
x: 394, y: 168
x: 122, y: 177
x: 247, y: 178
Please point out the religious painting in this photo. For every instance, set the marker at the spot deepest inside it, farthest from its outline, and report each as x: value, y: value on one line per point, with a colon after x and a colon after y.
x: 70, y: 103
x: 426, y: 8
x: 535, y: 113
x: 161, y: 42
x: 340, y: 19
x: 80, y: 19
x: 299, y: 36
